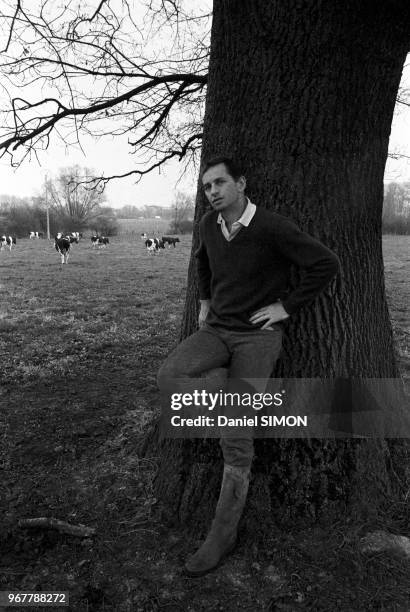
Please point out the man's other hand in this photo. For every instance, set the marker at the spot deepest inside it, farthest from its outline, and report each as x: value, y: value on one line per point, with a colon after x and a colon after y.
x: 203, y: 312
x: 273, y: 313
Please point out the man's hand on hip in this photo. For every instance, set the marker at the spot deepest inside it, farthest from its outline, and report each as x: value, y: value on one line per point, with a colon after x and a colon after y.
x: 273, y: 313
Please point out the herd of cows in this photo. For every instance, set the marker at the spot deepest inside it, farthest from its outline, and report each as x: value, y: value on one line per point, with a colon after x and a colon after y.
x: 153, y: 245
x: 63, y: 242
x: 7, y: 241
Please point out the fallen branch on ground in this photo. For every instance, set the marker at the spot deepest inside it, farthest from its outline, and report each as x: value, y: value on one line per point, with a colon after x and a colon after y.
x: 79, y: 531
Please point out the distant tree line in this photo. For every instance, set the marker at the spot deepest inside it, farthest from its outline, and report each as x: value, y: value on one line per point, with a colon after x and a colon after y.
x: 80, y: 209
x: 143, y: 212
x: 396, y: 209
x: 20, y: 216
x: 73, y: 206
x: 180, y: 214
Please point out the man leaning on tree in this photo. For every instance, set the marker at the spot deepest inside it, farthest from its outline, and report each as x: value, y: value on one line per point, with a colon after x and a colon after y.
x: 243, y: 262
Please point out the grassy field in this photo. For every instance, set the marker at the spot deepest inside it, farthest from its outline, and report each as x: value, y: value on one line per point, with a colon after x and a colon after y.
x: 79, y: 349
x: 396, y: 252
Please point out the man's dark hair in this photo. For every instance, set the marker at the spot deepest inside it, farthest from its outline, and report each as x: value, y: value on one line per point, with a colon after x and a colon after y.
x: 233, y: 168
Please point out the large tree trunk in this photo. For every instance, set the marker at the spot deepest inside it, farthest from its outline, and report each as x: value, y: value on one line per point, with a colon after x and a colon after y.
x: 303, y: 93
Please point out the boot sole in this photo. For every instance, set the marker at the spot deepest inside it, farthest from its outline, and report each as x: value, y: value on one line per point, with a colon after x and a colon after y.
x: 198, y: 574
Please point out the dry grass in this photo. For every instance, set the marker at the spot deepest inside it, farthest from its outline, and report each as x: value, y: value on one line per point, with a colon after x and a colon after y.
x: 79, y: 348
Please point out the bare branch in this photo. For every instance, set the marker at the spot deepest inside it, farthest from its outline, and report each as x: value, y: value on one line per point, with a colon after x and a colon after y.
x: 398, y: 156
x: 18, y: 139
x: 101, y: 181
x: 18, y: 7
x: 101, y: 74
x: 79, y: 531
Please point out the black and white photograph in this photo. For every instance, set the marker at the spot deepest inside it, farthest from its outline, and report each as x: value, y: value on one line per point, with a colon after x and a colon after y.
x: 204, y: 313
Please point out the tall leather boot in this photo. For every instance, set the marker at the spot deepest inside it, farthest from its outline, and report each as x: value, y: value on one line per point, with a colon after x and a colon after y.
x: 221, y: 538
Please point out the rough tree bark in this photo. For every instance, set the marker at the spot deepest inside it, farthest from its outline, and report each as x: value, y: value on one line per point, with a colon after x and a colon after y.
x: 303, y: 93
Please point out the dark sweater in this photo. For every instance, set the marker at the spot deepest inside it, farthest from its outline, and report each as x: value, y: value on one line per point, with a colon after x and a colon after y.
x: 252, y: 270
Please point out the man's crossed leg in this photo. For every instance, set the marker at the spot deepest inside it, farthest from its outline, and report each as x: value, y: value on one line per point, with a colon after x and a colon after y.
x: 246, y: 355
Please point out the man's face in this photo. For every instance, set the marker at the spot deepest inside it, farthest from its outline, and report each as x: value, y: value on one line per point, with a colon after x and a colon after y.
x: 221, y: 189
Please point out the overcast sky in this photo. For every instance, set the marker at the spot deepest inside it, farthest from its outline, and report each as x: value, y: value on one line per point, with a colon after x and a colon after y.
x: 108, y: 157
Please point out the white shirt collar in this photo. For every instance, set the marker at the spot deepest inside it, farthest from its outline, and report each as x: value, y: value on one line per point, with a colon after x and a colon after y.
x: 246, y: 216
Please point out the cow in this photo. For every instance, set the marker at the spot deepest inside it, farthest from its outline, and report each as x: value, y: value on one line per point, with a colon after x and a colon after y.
x: 62, y: 245
x: 100, y: 241
x: 171, y: 240
x: 36, y: 235
x: 7, y: 241
x: 144, y: 236
x: 153, y: 245
x: 72, y: 237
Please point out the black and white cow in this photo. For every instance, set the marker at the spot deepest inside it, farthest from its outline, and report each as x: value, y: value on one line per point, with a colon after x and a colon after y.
x: 62, y: 244
x: 72, y: 236
x: 154, y: 245
x: 35, y: 235
x: 99, y: 241
x: 7, y: 241
x: 171, y: 240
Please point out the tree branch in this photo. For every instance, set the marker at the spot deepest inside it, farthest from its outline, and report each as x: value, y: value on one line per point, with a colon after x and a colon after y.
x: 97, y: 66
x: 79, y: 531
x: 18, y: 7
x: 101, y: 181
x: 17, y: 140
